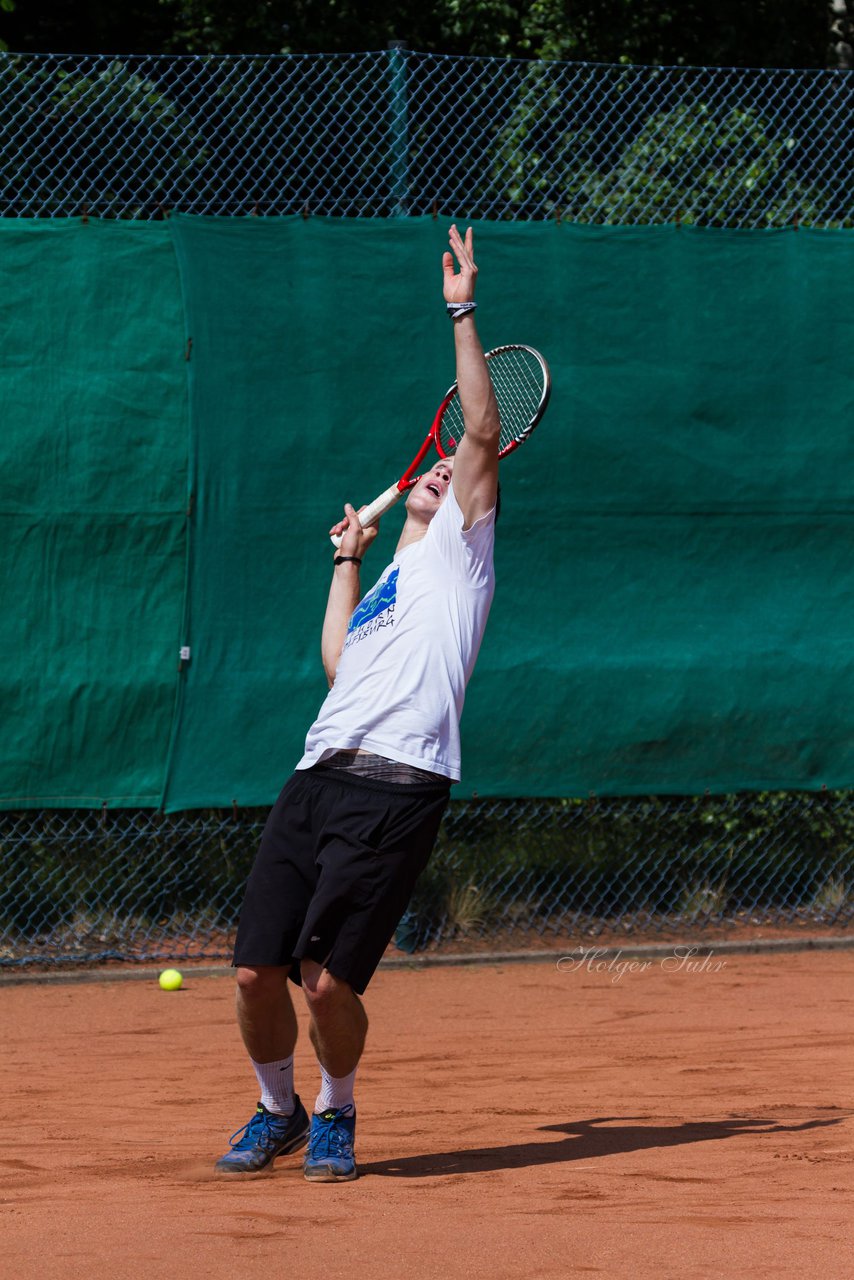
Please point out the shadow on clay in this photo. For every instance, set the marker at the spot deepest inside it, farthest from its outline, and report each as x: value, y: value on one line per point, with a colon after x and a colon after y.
x: 583, y: 1140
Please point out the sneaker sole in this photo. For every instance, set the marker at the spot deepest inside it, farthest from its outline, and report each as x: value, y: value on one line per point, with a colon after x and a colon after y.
x: 324, y: 1175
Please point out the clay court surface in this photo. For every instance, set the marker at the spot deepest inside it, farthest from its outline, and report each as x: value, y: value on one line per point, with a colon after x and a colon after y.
x: 515, y: 1120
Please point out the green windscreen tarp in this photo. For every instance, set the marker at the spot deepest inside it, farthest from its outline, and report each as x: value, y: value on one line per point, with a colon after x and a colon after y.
x: 92, y: 500
x: 674, y: 603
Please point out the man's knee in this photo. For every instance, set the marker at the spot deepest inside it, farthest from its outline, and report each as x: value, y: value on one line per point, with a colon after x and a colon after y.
x: 323, y: 991
x: 261, y: 982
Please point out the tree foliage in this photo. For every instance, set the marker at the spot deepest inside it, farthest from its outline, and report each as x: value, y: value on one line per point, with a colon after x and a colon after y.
x: 770, y: 33
x: 703, y: 162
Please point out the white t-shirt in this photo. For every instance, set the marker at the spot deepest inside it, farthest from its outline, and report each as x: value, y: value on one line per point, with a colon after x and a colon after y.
x: 411, y: 646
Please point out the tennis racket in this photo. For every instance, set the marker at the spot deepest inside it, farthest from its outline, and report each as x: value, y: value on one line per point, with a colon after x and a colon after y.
x: 522, y: 385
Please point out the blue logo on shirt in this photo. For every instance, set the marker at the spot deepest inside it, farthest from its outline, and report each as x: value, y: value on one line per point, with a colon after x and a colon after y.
x: 380, y: 599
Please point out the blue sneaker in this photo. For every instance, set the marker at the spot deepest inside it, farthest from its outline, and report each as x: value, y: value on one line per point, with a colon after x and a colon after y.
x: 330, y: 1146
x: 266, y: 1136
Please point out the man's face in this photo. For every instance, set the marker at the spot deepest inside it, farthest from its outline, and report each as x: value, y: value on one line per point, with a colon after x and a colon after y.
x: 428, y: 494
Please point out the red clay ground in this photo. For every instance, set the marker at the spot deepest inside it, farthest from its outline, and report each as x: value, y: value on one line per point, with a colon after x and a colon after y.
x: 515, y: 1121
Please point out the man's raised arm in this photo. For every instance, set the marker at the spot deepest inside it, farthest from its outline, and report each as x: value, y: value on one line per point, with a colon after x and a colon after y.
x: 476, y: 462
x: 344, y: 590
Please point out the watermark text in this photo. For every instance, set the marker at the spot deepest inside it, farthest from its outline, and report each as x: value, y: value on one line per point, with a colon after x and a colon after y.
x: 616, y: 965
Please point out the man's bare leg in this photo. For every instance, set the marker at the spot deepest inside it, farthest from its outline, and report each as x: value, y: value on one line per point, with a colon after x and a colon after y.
x: 265, y: 1013
x: 338, y: 1024
x: 337, y: 1029
x: 268, y: 1025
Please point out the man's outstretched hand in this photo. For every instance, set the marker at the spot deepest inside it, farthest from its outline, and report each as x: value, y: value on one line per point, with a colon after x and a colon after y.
x: 459, y: 285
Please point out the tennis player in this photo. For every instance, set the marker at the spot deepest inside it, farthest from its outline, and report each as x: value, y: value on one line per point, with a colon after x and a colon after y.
x: 355, y: 825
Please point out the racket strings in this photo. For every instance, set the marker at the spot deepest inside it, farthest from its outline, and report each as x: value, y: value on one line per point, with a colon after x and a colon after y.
x: 520, y: 383
x: 451, y: 428
x: 517, y: 377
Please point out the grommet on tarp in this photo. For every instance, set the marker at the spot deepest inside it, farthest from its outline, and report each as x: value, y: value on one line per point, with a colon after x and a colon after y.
x: 557, y: 214
x: 254, y: 213
x: 84, y: 217
x: 164, y: 213
x: 305, y: 210
x: 796, y: 220
x: 103, y: 813
x: 234, y: 810
x: 435, y: 209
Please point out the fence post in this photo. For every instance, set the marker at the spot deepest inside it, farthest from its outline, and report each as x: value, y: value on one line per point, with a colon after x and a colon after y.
x: 399, y: 130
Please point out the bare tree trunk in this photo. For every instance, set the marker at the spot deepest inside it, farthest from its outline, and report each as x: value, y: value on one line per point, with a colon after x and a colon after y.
x: 840, y: 52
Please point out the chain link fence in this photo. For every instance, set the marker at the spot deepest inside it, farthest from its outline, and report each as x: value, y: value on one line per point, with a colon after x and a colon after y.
x: 82, y: 886
x: 397, y: 133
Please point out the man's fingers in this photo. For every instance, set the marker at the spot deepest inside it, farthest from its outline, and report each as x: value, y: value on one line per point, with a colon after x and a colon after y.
x: 341, y: 526
x: 464, y: 250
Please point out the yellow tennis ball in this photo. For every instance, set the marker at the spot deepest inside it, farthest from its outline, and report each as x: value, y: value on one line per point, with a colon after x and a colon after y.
x: 170, y: 980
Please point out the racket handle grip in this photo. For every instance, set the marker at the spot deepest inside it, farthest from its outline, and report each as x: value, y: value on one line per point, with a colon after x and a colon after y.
x: 372, y: 512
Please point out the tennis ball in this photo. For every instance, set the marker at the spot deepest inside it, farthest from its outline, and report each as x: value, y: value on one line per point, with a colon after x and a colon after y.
x: 170, y: 980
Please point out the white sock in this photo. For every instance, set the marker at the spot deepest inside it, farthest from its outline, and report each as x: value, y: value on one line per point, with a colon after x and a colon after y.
x: 276, y: 1081
x: 334, y: 1093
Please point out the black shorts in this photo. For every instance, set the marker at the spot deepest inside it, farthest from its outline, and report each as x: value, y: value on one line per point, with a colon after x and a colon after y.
x: 337, y: 864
